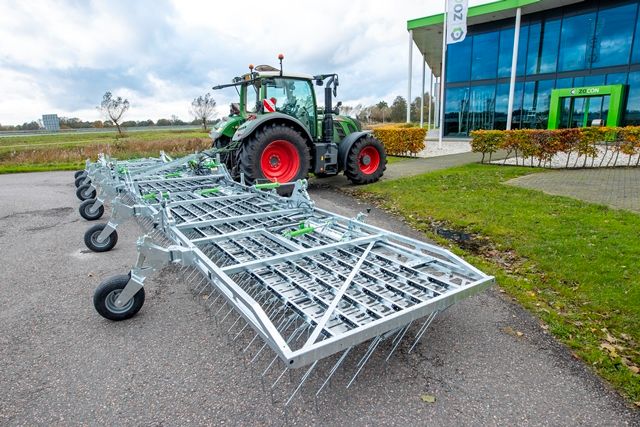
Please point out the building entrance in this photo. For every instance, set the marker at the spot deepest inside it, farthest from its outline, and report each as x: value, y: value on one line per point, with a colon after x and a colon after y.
x: 584, y: 111
x: 586, y: 106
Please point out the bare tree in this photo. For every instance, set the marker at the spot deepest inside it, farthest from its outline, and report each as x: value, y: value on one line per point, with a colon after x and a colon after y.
x: 203, y: 108
x: 114, y: 108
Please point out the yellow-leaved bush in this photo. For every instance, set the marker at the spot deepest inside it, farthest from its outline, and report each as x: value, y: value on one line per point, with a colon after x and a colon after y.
x: 400, y: 140
x: 543, y: 144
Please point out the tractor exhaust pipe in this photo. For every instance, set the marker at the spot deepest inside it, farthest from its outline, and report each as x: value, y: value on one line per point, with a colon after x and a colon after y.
x: 327, y: 122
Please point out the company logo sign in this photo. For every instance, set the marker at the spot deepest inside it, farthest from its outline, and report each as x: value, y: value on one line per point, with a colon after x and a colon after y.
x: 457, y: 20
x: 585, y: 91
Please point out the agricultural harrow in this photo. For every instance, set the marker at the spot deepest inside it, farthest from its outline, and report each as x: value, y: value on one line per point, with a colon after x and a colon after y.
x: 289, y: 284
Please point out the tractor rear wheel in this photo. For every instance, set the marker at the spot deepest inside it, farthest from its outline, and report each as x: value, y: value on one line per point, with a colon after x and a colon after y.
x: 276, y: 153
x: 366, y: 161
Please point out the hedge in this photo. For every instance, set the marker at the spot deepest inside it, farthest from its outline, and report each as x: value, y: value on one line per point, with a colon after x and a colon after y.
x: 543, y: 145
x: 400, y: 140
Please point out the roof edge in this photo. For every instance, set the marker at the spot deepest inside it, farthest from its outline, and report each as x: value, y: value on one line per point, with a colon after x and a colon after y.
x: 482, y: 9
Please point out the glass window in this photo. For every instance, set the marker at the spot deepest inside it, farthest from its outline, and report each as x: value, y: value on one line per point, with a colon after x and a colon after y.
x: 539, y: 109
x: 528, y: 107
x: 635, y: 55
x: 502, y: 103
x: 575, y: 42
x: 522, y: 49
x: 549, y: 51
x: 612, y: 39
x: 505, y: 53
x: 617, y: 78
x: 459, y: 61
x: 532, y: 51
x: 564, y: 83
x: 516, y: 119
x: 632, y: 114
x: 597, y: 80
x: 578, y: 82
x: 251, y: 100
x: 293, y: 97
x: 482, y: 110
x: 485, y: 56
x: 456, y: 111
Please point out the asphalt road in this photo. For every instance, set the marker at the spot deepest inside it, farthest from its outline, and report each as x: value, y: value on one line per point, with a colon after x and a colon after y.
x: 62, y: 364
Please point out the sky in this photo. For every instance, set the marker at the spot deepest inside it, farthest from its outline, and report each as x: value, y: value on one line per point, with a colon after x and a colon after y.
x: 62, y: 56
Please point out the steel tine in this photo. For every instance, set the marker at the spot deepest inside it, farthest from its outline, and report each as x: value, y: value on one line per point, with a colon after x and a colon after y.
x: 405, y: 329
x: 368, y: 355
x: 334, y: 369
x: 424, y: 329
x: 304, y: 378
x: 258, y: 353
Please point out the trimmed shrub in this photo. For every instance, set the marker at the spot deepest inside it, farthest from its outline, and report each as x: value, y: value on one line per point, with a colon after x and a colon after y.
x: 401, y: 140
x: 543, y: 145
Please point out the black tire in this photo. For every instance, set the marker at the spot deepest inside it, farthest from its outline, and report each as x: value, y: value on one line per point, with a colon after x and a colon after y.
x: 356, y: 171
x: 91, y: 239
x: 85, y: 210
x: 253, y: 149
x: 78, y: 173
x: 106, y: 294
x: 86, y: 192
x: 80, y: 180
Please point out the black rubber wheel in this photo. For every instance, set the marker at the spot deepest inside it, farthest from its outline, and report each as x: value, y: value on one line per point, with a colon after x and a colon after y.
x: 275, y: 153
x: 91, y: 239
x: 78, y: 173
x: 85, y: 192
x: 366, y: 161
x: 106, y: 294
x: 80, y: 180
x: 86, y: 213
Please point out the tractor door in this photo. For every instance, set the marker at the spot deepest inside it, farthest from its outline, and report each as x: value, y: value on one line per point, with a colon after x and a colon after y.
x: 293, y: 97
x: 249, y: 98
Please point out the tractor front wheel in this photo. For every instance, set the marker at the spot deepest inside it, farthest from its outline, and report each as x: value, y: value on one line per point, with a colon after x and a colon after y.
x: 276, y: 153
x: 366, y: 161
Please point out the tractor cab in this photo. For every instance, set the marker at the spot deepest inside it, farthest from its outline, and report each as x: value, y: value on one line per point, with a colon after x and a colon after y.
x: 278, y: 133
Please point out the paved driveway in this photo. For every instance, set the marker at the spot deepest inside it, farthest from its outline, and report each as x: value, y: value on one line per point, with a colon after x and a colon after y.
x: 615, y: 187
x: 62, y: 364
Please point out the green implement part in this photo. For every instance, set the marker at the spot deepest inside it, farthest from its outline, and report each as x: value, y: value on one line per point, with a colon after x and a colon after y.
x: 153, y: 196
x: 173, y: 175
x: 267, y: 186
x: 206, y: 191
x: 299, y: 232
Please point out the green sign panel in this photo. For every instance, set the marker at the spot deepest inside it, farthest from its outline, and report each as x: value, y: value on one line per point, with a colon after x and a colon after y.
x: 615, y: 94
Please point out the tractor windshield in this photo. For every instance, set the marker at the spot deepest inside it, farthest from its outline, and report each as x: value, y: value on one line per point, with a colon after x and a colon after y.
x: 293, y: 97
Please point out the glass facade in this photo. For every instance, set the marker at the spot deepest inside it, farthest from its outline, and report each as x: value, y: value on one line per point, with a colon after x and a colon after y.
x: 592, y: 43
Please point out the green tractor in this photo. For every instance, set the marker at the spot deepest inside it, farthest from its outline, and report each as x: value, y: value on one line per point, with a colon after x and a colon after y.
x: 277, y: 132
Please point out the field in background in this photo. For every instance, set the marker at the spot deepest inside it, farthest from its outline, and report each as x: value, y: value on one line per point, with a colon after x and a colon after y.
x: 69, y: 151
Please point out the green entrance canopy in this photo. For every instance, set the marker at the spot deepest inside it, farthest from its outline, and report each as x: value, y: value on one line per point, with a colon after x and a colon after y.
x: 615, y: 92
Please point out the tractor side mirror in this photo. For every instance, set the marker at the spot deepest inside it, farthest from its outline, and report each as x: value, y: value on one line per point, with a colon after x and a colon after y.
x: 336, y: 110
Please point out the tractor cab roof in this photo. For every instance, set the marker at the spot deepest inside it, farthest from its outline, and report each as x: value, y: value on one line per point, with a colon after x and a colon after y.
x: 276, y: 73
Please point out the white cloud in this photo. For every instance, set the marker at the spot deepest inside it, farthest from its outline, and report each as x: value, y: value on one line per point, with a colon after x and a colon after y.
x: 62, y: 56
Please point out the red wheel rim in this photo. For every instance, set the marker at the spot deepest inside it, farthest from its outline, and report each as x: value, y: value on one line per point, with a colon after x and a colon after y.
x: 280, y: 161
x: 368, y: 160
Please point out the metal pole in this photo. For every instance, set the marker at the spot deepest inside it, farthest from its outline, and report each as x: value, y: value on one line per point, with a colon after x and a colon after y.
x: 514, y: 65
x: 410, y: 77
x: 430, y: 97
x: 442, y: 73
x: 424, y: 66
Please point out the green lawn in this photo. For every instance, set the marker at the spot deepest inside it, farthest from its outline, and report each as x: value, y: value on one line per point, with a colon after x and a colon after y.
x: 574, y: 264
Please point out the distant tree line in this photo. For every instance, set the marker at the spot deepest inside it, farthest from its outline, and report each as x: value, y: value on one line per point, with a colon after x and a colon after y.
x: 76, y: 123
x: 382, y: 112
